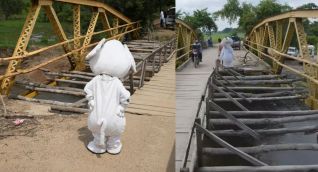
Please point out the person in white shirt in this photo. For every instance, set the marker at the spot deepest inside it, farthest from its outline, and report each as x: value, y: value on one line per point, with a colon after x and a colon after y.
x: 227, y: 53
x: 162, y: 19
x: 107, y: 96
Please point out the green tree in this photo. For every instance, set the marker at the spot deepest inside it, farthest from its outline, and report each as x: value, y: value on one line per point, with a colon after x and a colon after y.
x: 201, y: 21
x: 144, y: 10
x: 11, y: 7
x: 268, y: 8
x: 249, y: 15
x: 231, y: 11
x: 308, y: 6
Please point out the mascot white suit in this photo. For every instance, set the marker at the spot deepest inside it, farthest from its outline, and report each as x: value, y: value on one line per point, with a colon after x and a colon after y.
x: 107, y: 96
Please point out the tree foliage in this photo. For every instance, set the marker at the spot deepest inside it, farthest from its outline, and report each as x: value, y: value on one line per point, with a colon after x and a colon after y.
x: 11, y: 7
x: 249, y: 15
x: 231, y: 11
x: 201, y: 21
x: 145, y: 10
x: 308, y: 6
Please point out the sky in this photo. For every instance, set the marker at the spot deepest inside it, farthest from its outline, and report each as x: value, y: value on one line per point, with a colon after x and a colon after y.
x: 215, y: 5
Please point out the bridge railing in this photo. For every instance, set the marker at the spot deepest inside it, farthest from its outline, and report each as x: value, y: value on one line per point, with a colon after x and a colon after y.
x: 185, y: 37
x: 115, y: 26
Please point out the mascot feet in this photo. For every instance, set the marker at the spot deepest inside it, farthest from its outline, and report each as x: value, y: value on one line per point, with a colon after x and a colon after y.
x: 114, y: 150
x: 97, y: 149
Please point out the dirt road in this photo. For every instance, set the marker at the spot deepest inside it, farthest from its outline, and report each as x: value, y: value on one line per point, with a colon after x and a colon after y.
x: 58, y: 143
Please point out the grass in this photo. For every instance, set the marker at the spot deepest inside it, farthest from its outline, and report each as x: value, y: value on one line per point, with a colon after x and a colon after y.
x: 217, y: 35
x: 10, y: 31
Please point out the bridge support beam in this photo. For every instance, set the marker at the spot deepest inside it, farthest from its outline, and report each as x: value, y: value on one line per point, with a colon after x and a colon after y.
x: 272, y: 29
x: 21, y: 46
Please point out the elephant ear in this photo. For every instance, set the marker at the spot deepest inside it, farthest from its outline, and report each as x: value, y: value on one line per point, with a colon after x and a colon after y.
x: 131, y: 57
x: 96, y: 50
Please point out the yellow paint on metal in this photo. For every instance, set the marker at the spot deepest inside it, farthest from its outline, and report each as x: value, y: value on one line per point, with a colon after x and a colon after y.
x: 285, y: 26
x: 74, y: 53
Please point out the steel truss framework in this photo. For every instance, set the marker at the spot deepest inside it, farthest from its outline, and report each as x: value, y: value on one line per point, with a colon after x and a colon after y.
x: 271, y: 38
x: 115, y: 26
x: 185, y: 37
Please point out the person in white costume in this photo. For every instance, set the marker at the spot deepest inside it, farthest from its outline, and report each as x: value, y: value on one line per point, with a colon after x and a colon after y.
x: 107, y: 96
x: 227, y: 53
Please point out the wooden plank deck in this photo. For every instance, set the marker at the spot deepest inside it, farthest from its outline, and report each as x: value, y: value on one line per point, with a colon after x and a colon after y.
x: 151, y: 119
x: 190, y: 84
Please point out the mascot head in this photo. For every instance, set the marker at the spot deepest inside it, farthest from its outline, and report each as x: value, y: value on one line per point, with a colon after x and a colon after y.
x: 111, y: 58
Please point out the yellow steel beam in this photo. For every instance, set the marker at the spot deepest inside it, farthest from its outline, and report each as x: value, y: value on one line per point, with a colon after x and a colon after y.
x: 20, y: 47
x: 76, y: 58
x: 81, y: 63
x: 296, y: 14
x: 77, y: 25
x: 58, y: 29
x: 292, y: 21
x: 105, y: 22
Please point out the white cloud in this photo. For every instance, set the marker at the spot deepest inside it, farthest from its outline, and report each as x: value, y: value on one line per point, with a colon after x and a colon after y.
x: 215, y: 5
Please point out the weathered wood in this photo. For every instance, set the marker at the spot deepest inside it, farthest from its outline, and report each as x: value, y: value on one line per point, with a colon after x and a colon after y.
x: 271, y: 94
x: 256, y: 77
x: 69, y: 109
x: 231, y: 90
x: 230, y: 73
x: 265, y: 121
x: 71, y: 81
x: 80, y: 102
x: 69, y: 75
x: 79, y: 73
x: 261, y: 82
x: 43, y: 101
x: 264, y: 88
x: 32, y: 84
x: 266, y: 113
x: 267, y: 132
x: 75, y: 93
x: 230, y: 98
x: 235, y: 121
x: 226, y: 80
x: 261, y: 149
x: 281, y: 168
x: 234, y: 72
x: 230, y: 147
x: 262, y: 98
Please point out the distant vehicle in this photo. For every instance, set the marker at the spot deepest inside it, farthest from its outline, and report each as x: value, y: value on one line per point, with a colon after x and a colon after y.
x: 292, y: 51
x: 195, y: 55
x: 236, y: 42
x: 311, y: 50
x: 171, y: 17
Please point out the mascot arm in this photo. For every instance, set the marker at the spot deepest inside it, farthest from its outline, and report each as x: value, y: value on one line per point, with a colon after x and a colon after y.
x: 89, y: 94
x: 124, y: 97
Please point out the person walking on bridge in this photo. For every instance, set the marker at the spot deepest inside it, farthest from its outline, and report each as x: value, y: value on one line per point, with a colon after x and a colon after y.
x: 220, y: 46
x: 227, y: 53
x: 162, y: 19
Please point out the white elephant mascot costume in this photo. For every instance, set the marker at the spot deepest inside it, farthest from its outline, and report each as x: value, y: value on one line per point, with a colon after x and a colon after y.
x: 107, y: 96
